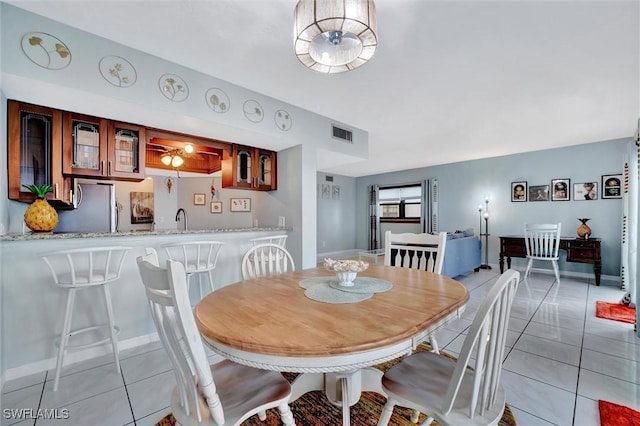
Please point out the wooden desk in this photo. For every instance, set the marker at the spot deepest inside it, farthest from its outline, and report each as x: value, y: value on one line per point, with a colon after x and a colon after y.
x: 269, y: 323
x: 580, y: 251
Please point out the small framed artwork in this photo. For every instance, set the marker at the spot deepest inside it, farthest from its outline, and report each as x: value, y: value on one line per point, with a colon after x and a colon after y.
x: 560, y: 190
x: 240, y: 204
x: 585, y: 191
x: 335, y: 192
x: 611, y: 186
x: 539, y: 193
x: 215, y: 207
x: 325, y: 191
x: 518, y: 191
x: 199, y: 199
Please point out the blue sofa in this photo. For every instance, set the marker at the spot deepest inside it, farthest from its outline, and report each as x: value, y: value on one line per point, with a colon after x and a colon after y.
x: 461, y: 255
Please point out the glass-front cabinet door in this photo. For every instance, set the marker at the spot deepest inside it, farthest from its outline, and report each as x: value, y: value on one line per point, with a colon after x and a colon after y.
x: 265, y: 176
x: 244, y: 169
x: 35, y: 151
x: 85, y: 145
x: 126, y: 151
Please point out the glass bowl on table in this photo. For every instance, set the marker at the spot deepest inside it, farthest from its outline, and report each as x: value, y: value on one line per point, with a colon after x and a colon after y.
x: 345, y: 270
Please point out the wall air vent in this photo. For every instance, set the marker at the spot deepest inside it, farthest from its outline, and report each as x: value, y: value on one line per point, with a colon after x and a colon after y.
x: 342, y: 134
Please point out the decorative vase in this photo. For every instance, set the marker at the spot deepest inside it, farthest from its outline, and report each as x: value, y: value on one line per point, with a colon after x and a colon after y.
x: 346, y: 278
x: 40, y: 216
x: 583, y: 230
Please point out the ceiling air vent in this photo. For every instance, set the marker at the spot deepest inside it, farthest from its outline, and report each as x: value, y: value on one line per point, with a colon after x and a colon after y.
x: 342, y: 134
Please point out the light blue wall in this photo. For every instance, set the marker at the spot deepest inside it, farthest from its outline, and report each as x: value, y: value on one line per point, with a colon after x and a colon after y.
x: 464, y: 185
x: 336, y: 217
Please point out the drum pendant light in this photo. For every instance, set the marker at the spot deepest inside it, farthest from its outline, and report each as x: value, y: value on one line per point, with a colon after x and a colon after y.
x: 332, y: 36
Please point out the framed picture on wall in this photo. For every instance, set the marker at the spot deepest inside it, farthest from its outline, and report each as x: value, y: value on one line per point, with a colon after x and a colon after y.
x: 199, y: 199
x: 585, y: 191
x: 518, y: 191
x: 240, y: 204
x: 611, y: 186
x: 215, y: 207
x: 560, y: 190
x: 539, y: 193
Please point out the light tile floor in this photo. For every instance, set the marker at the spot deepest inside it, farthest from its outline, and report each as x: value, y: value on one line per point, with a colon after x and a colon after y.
x: 560, y: 360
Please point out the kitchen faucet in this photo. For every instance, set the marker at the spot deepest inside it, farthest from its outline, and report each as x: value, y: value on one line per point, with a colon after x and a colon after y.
x: 186, y: 219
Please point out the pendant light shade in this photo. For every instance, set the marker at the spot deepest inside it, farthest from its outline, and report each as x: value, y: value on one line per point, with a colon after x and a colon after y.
x: 332, y: 36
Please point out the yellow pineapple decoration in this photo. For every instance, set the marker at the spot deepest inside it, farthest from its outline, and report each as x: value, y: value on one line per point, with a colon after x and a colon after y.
x: 40, y: 216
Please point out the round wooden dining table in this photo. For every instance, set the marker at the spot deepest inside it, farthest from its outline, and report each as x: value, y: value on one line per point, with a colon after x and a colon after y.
x: 270, y: 323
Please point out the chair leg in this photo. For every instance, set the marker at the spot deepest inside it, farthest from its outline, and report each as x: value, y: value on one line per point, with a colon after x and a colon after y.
x: 526, y: 272
x: 286, y: 415
x: 64, y: 335
x: 556, y: 270
x: 112, y: 327
x: 387, y: 411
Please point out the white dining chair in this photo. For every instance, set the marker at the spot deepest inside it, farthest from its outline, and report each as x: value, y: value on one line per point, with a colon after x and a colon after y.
x: 199, y: 259
x: 83, y: 269
x: 281, y: 240
x: 416, y: 251
x: 265, y: 260
x: 224, y: 393
x: 542, y: 242
x: 450, y: 392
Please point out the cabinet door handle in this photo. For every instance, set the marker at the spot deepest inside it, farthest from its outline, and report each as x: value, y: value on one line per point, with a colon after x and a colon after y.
x: 109, y: 168
x: 55, y: 191
x: 101, y: 166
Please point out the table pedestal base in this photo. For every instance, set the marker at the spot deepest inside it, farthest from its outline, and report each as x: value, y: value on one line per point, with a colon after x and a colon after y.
x: 343, y: 389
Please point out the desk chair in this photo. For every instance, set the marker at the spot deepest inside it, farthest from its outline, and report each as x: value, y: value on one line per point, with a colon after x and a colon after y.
x: 81, y: 269
x: 450, y: 392
x: 280, y: 240
x: 198, y: 258
x: 224, y: 393
x: 416, y: 251
x: 542, y: 242
x: 264, y: 260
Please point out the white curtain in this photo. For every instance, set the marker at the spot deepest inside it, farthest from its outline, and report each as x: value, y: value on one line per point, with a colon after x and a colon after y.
x: 630, y: 232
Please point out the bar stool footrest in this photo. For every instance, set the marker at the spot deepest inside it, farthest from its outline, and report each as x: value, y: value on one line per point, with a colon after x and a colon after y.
x: 75, y: 333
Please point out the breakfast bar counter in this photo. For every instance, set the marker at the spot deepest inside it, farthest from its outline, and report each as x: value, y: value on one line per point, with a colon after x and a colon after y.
x: 30, y: 298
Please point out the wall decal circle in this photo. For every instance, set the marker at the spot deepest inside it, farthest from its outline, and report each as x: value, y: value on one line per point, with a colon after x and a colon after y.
x: 173, y: 87
x: 253, y: 111
x: 117, y: 71
x: 45, y: 50
x: 217, y: 100
x: 283, y: 120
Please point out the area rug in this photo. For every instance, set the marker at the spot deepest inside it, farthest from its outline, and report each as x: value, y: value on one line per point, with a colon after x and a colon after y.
x: 617, y: 415
x: 616, y: 312
x: 313, y: 409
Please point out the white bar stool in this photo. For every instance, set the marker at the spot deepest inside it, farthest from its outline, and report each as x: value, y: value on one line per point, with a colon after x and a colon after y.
x: 198, y: 257
x: 280, y: 240
x: 81, y: 269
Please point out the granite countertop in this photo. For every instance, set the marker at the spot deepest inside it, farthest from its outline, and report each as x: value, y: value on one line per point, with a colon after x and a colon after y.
x: 69, y: 235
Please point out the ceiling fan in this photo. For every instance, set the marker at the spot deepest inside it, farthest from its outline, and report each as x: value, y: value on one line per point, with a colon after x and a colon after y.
x: 174, y: 156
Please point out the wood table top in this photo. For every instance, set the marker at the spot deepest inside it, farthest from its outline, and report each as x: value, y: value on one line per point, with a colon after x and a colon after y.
x: 272, y: 315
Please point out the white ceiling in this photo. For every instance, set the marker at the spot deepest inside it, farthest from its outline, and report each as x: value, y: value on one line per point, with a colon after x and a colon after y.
x: 450, y: 80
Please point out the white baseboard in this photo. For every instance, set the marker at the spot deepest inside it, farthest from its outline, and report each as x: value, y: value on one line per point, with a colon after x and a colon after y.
x: 74, y: 357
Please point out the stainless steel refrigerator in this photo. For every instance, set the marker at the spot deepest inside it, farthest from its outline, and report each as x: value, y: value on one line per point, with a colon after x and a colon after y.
x: 95, y: 210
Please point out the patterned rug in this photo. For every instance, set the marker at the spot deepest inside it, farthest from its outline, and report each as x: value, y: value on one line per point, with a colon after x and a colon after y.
x: 314, y: 409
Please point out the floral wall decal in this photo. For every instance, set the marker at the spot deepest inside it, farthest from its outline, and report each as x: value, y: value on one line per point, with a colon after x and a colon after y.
x: 253, y: 111
x: 117, y: 71
x: 45, y: 50
x: 283, y: 120
x: 217, y: 100
x: 173, y: 87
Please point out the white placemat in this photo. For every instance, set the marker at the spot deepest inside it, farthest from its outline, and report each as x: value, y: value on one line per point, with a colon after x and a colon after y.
x: 327, y: 289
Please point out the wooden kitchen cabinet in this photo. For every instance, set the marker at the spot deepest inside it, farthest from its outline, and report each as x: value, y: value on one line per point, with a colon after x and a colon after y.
x: 102, y: 149
x: 250, y: 168
x: 34, y: 146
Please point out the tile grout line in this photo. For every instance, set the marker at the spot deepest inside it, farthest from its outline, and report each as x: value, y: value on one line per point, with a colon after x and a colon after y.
x: 126, y: 390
